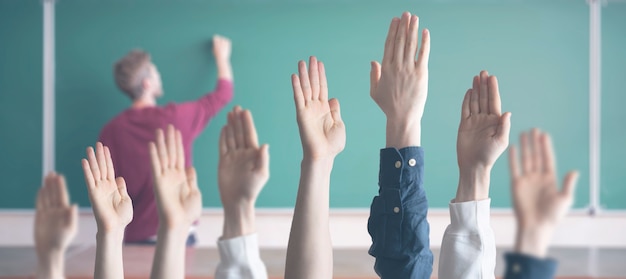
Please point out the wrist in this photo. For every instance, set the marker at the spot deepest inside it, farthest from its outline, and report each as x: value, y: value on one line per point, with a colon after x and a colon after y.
x: 51, y: 264
x: 473, y: 184
x: 110, y: 236
x: 533, y: 241
x: 403, y: 132
x: 239, y: 219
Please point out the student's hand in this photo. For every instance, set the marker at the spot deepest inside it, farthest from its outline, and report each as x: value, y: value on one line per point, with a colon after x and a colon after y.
x: 400, y: 86
x: 483, y: 136
x: 55, y: 219
x: 243, y: 171
x: 176, y: 188
x: 221, y: 48
x: 322, y: 131
x: 112, y: 206
x: 538, y: 202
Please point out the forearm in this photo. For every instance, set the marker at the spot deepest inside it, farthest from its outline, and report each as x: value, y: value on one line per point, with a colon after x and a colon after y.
x: 239, y: 220
x: 473, y: 184
x: 309, y: 254
x: 224, y: 69
x: 403, y: 132
x: 169, y: 257
x: 109, y: 263
x: 533, y: 241
x: 51, y: 265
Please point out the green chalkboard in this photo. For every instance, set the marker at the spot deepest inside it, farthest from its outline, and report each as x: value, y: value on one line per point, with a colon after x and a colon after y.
x: 613, y: 164
x: 538, y: 50
x: 20, y: 102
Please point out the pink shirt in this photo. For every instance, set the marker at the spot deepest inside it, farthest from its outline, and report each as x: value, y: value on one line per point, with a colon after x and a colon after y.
x: 128, y: 135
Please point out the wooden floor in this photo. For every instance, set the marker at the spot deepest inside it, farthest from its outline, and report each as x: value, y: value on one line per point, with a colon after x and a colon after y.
x: 19, y: 262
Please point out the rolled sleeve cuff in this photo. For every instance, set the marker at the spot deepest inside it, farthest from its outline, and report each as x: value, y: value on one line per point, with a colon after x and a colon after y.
x: 520, y: 266
x: 470, y: 217
x: 240, y: 258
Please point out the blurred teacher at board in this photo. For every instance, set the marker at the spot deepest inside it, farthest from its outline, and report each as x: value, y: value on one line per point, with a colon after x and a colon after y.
x: 127, y: 135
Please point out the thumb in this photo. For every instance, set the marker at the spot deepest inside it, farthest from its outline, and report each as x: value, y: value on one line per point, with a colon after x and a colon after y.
x: 192, y: 177
x: 335, y: 109
x: 263, y: 159
x: 504, y: 128
x: 569, y: 183
x: 121, y: 187
x: 374, y: 76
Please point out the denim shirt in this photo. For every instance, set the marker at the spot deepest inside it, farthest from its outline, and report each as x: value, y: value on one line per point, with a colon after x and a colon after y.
x: 520, y: 266
x: 397, y: 223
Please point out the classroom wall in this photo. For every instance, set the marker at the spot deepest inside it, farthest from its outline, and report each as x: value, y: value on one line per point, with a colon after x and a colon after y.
x: 539, y: 52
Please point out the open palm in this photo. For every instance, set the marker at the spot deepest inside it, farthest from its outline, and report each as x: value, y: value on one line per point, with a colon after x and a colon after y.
x: 175, y: 187
x: 484, y: 131
x: 55, y: 219
x: 537, y: 199
x: 243, y: 164
x: 112, y: 206
x: 322, y: 130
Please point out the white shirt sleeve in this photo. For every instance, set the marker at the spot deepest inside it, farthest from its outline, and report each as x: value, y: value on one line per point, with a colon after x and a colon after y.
x: 240, y: 259
x: 468, y: 249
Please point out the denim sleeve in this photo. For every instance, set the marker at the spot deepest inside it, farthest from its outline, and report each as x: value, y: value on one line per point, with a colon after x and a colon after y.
x: 520, y: 266
x: 397, y: 222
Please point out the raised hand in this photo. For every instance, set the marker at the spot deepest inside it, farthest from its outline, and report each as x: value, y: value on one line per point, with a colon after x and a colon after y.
x: 483, y: 136
x: 221, y: 47
x: 322, y: 131
x: 539, y: 203
x: 55, y: 226
x: 400, y: 86
x: 112, y: 206
x: 243, y: 171
x: 176, y: 188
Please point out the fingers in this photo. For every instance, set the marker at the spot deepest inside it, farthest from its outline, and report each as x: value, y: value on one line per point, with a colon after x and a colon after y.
x: 374, y: 77
x: 569, y: 183
x: 157, y: 169
x: 547, y: 154
x: 424, y: 53
x: 89, y: 178
x: 298, y: 95
x: 170, y: 142
x: 304, y: 81
x: 101, y: 158
x: 410, y: 49
x: 483, y: 102
x: 180, y: 151
x: 465, y: 107
x: 527, y: 160
x: 109, y: 162
x: 93, y: 164
x: 474, y: 106
x: 494, y: 96
x: 162, y: 149
x: 513, y: 162
x: 504, y: 127
x: 323, y: 82
x: 401, y: 38
x: 52, y: 193
x: 250, y: 135
x: 390, y: 42
x: 536, y: 150
x: 314, y: 78
x: 237, y: 126
x: 121, y: 187
x: 335, y: 109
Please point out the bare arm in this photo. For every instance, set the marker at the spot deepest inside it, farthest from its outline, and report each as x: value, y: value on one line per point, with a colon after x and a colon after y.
x: 112, y: 208
x: 179, y: 203
x: 323, y: 136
